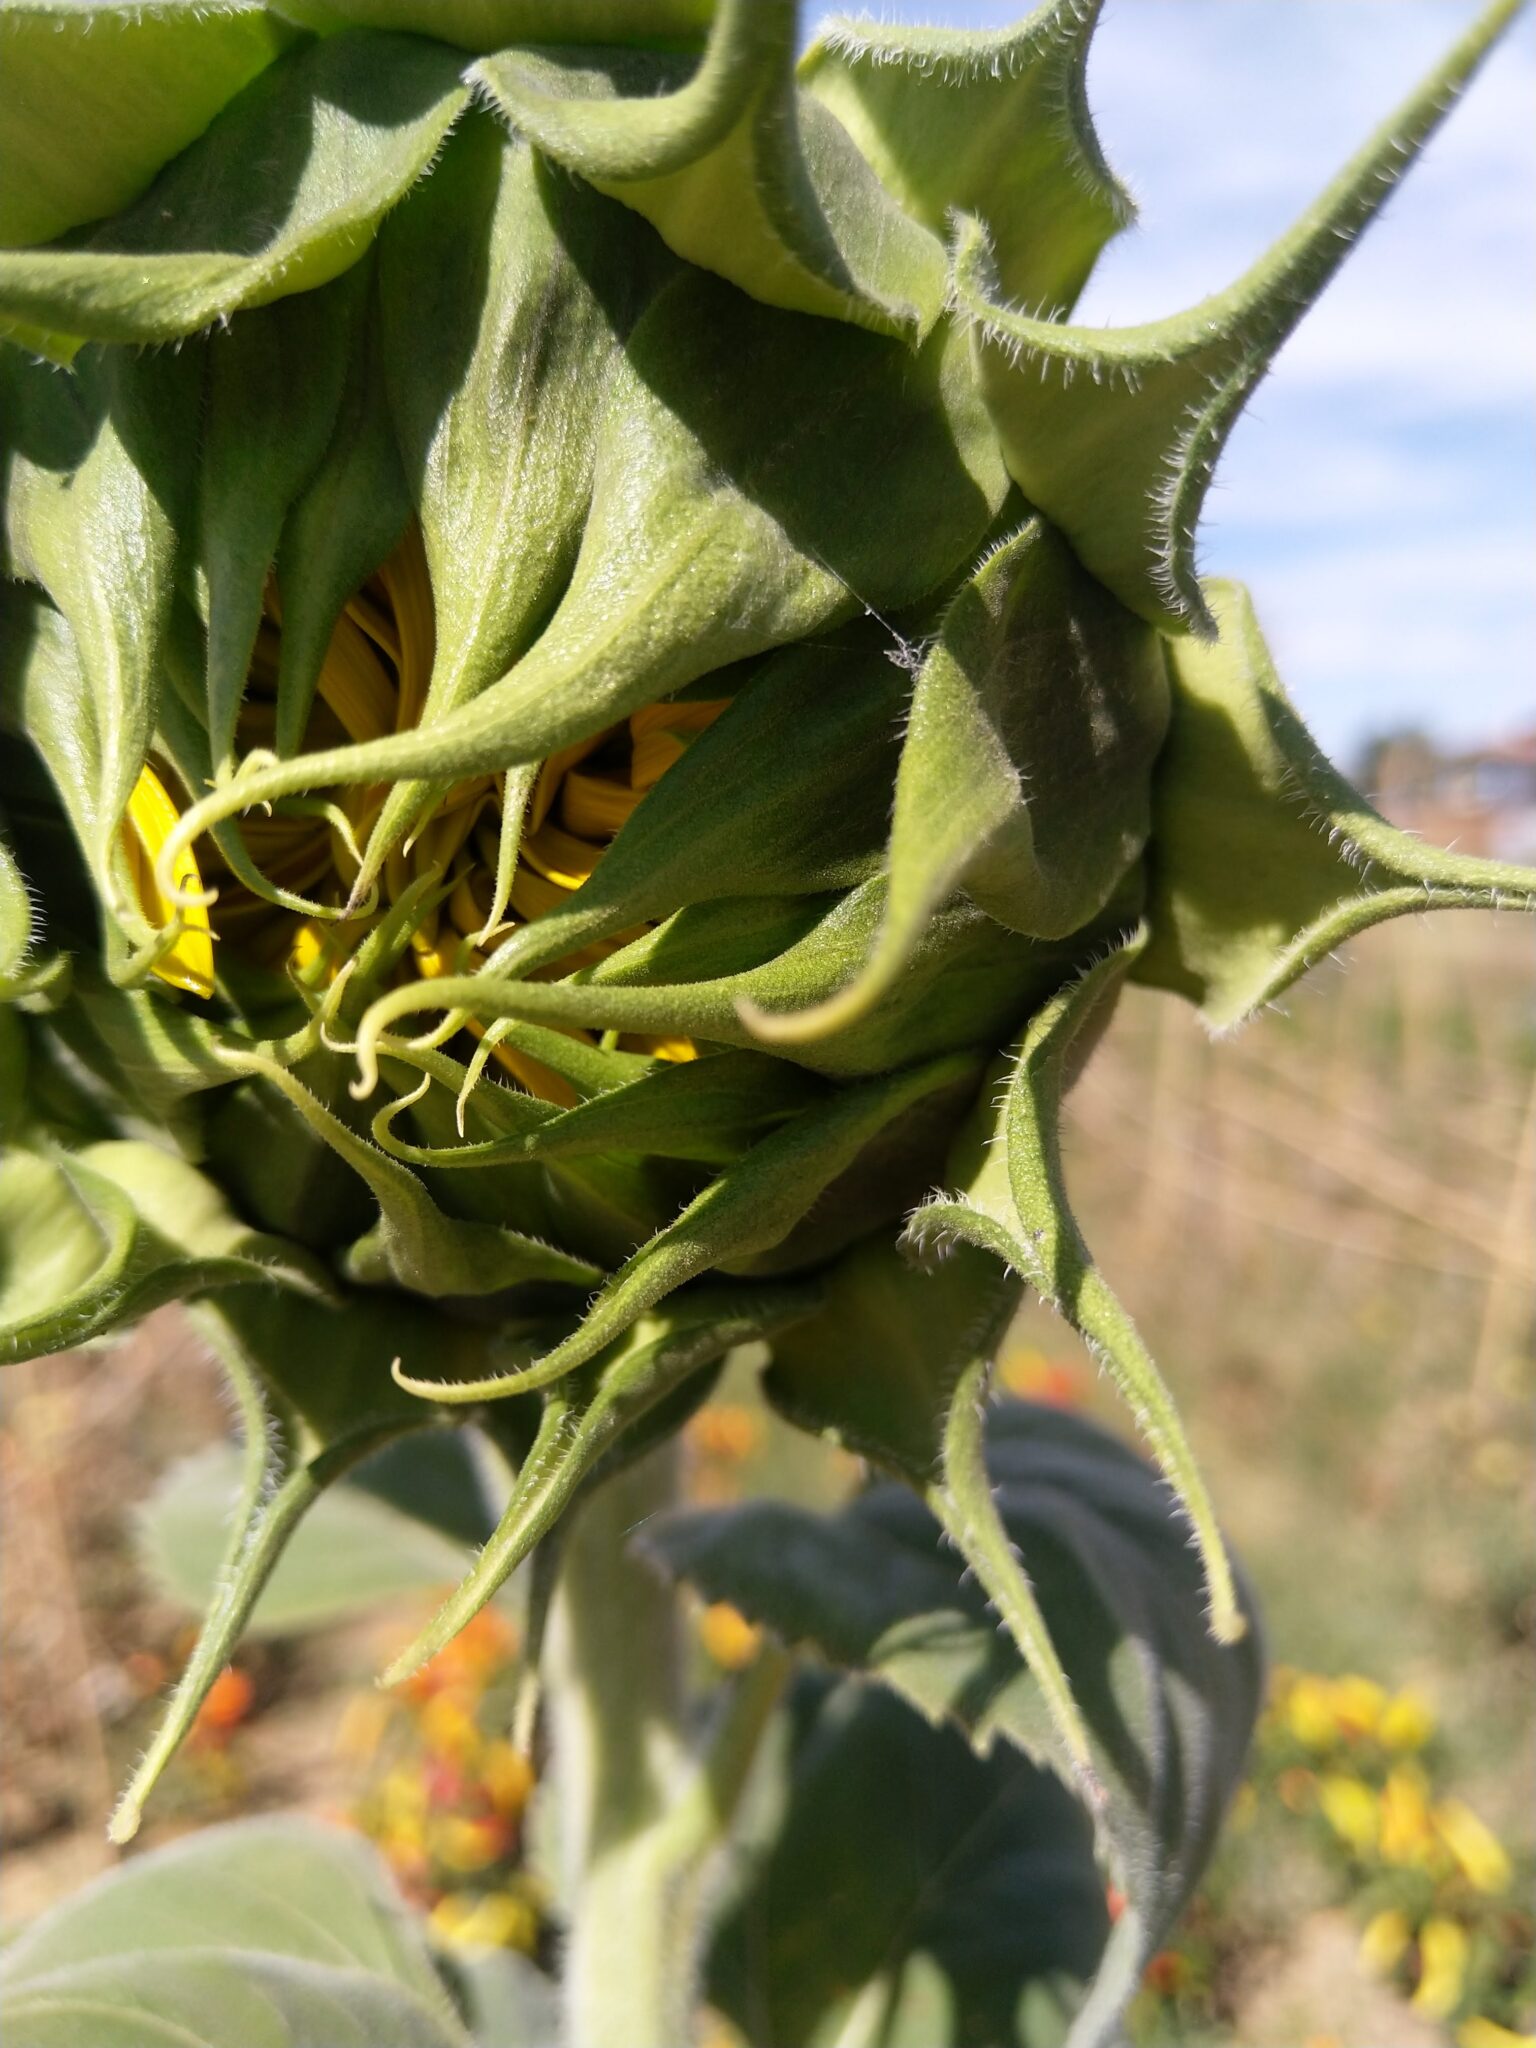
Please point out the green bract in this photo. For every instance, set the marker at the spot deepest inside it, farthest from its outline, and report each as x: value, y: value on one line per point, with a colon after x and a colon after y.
x: 599, y: 691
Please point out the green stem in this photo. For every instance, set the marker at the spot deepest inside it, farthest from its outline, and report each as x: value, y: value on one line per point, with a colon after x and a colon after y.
x: 642, y: 1822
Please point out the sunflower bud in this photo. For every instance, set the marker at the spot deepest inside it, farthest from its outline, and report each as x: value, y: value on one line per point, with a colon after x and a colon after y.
x: 601, y: 690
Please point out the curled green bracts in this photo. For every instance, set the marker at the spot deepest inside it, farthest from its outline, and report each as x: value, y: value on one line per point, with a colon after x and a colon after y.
x: 600, y: 690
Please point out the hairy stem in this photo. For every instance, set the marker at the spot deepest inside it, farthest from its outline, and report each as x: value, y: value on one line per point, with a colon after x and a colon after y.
x: 642, y: 1818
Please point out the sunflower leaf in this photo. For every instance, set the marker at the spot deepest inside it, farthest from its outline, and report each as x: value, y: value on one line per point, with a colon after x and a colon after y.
x: 724, y: 522
x: 995, y: 124
x: 281, y: 193
x: 1014, y: 1204
x: 96, y: 1238
x: 271, y: 1922
x: 314, y: 1396
x: 275, y: 380
x: 414, y: 1244
x: 1114, y: 432
x: 584, y: 1419
x: 967, y: 982
x: 96, y: 489
x: 875, y: 1590
x: 749, y: 1208
x: 488, y: 24
x: 786, y: 793
x: 741, y: 173
x: 1026, y: 768
x: 131, y: 82
x: 1266, y: 858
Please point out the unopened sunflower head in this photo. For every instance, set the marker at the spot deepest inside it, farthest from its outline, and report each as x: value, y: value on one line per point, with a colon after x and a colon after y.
x: 601, y: 690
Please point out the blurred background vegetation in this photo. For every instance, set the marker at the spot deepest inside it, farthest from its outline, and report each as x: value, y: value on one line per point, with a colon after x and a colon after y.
x: 1324, y: 1226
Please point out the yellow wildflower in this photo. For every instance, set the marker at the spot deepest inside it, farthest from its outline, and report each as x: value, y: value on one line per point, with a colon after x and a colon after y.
x: 1406, y: 1834
x: 496, y: 1920
x: 1309, y: 1712
x: 1357, y: 1704
x: 448, y: 1730
x: 1481, y: 2033
x: 468, y: 1845
x: 507, y: 1777
x: 1474, y: 1845
x: 1407, y: 1722
x: 1385, y: 1941
x: 1443, y: 1948
x: 1351, y: 1810
x: 728, y: 1637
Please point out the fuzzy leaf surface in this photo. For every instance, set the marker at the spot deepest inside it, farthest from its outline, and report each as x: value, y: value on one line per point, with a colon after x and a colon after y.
x: 1013, y: 1202
x: 96, y: 1238
x: 740, y: 172
x: 1266, y: 858
x: 1114, y: 433
x: 131, y: 84
x: 1025, y: 774
x: 725, y: 521
x: 258, y: 1932
x: 993, y: 122
x: 282, y: 193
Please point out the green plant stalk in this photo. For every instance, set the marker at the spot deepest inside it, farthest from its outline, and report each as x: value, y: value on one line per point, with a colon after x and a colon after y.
x: 641, y: 1815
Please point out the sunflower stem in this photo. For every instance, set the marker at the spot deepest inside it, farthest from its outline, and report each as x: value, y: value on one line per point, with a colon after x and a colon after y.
x: 616, y: 1704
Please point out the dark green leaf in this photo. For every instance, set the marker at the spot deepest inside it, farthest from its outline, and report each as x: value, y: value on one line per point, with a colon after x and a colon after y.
x: 488, y: 24
x: 875, y: 1590
x: 876, y: 1367
x: 912, y: 1895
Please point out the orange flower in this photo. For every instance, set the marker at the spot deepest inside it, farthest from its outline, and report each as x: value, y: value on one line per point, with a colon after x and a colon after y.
x: 230, y: 1699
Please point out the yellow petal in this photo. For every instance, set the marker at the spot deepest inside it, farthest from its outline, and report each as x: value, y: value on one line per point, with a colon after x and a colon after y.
x: 729, y: 1639
x: 1443, y: 1947
x: 1357, y: 1704
x: 1407, y: 1722
x: 595, y: 806
x: 1406, y: 1835
x: 1350, y: 1809
x: 1309, y: 1712
x: 1474, y: 1845
x: 1481, y: 2033
x: 151, y: 816
x: 1385, y: 1941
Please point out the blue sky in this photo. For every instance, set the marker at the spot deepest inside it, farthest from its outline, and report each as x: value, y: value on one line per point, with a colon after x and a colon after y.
x: 1380, y: 495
